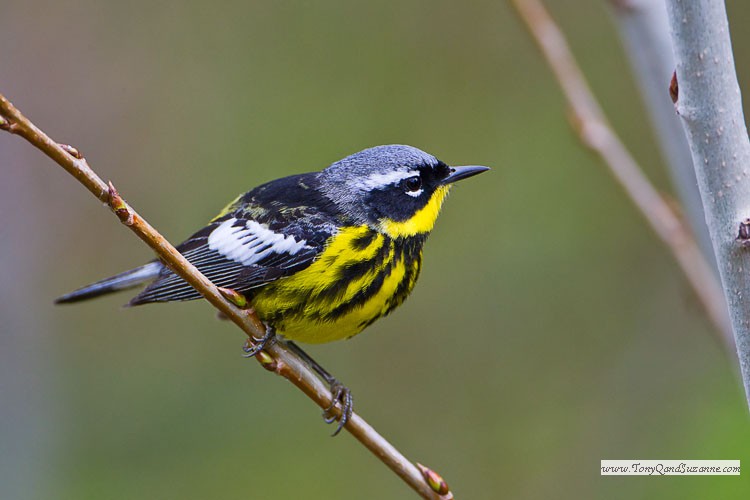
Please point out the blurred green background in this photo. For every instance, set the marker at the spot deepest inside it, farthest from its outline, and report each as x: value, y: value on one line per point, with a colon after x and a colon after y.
x: 550, y: 329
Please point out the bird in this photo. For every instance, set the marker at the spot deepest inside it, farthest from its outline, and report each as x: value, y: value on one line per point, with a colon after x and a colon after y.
x: 319, y: 255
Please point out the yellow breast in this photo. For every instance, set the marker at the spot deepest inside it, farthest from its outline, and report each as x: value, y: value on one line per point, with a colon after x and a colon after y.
x: 360, y: 276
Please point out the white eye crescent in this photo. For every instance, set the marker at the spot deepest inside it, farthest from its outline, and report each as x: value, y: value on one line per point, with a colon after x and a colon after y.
x: 413, y: 186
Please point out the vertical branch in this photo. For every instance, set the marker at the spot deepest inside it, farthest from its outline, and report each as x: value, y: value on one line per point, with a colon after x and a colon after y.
x: 594, y: 131
x: 708, y: 101
x: 644, y: 30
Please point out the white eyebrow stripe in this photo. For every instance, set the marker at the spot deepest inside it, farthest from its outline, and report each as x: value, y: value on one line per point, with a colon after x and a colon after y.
x: 251, y: 243
x: 378, y: 180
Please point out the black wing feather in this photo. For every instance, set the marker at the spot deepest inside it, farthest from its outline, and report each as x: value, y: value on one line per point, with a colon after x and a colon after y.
x: 292, y: 207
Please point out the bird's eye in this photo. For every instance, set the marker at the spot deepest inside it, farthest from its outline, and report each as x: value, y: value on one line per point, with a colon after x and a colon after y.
x: 414, y: 184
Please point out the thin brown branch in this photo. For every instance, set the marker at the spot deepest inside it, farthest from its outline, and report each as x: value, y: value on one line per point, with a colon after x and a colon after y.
x: 592, y: 128
x: 277, y: 358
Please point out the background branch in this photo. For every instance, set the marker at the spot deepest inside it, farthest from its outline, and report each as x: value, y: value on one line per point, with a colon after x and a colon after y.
x: 592, y: 128
x: 644, y: 31
x: 276, y: 358
x: 709, y: 103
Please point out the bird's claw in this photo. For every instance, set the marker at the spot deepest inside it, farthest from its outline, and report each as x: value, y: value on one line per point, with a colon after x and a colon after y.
x: 258, y: 344
x: 339, y: 394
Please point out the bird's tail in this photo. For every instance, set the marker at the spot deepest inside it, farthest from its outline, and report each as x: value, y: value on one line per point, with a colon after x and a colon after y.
x: 121, y: 281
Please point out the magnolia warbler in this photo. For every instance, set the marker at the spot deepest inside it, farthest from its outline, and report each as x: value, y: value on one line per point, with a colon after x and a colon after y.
x: 320, y: 255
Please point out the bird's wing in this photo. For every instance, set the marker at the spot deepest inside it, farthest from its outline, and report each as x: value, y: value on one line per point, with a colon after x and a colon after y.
x: 250, y: 246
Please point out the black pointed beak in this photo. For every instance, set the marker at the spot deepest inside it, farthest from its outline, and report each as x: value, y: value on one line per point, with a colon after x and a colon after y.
x: 458, y: 173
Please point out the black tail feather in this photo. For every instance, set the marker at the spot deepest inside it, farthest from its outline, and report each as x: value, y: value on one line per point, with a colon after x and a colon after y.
x: 122, y: 281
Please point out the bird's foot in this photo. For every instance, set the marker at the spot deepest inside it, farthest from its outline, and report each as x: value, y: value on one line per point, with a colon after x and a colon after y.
x: 258, y: 344
x: 339, y: 394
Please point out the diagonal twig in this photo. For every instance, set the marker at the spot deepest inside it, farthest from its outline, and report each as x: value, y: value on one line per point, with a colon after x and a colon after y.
x: 593, y: 130
x: 277, y: 358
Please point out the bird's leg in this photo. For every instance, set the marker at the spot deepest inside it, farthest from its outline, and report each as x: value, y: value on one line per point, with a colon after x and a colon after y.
x: 268, y: 339
x: 339, y: 392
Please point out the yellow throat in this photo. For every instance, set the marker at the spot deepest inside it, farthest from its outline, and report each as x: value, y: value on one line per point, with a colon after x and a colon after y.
x: 421, y: 222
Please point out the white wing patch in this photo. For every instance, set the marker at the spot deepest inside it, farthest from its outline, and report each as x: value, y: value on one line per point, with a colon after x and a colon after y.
x: 251, y: 243
x: 376, y: 181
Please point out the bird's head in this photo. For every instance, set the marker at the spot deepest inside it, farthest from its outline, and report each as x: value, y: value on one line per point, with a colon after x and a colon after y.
x: 397, y: 190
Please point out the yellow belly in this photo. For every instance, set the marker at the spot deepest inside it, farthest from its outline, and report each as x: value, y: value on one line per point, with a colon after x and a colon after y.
x: 359, y: 277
